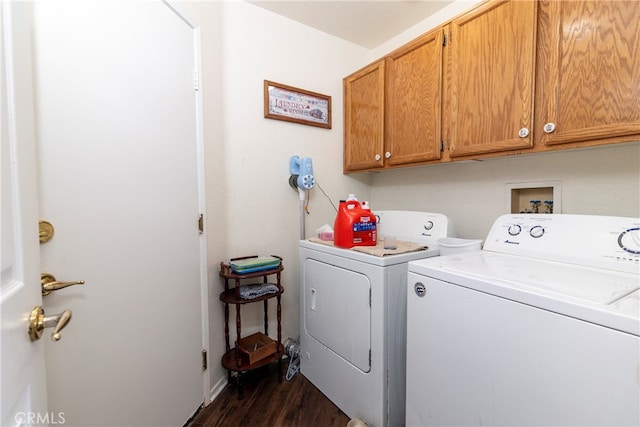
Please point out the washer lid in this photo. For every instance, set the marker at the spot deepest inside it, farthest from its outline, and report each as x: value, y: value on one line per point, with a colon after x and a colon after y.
x: 600, y: 296
x: 629, y: 305
x: 593, y: 285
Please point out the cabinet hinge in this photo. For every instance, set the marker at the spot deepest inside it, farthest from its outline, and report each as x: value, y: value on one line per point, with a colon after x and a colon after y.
x: 201, y: 223
x: 444, y: 40
x: 204, y: 360
x: 196, y: 80
x: 442, y: 146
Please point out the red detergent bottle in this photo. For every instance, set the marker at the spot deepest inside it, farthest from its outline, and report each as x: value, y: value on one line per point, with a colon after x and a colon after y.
x: 354, y: 226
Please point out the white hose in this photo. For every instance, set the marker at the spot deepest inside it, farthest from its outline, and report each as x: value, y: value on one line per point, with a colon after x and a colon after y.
x: 303, y: 211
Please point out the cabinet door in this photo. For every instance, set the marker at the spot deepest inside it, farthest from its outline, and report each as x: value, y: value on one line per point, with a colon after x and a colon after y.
x: 414, y: 81
x: 592, y: 87
x: 492, y: 78
x: 364, y: 118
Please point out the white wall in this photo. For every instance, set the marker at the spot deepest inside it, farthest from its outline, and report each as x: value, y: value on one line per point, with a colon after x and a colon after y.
x: 261, y: 209
x: 599, y: 181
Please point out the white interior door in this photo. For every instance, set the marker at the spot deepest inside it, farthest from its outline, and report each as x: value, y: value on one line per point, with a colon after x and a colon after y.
x: 22, y: 366
x: 117, y: 151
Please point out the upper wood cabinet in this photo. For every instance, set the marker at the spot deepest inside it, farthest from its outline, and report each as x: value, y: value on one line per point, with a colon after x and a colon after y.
x: 364, y: 118
x: 393, y: 108
x: 492, y: 77
x: 413, y: 107
x: 591, y: 84
x: 514, y: 76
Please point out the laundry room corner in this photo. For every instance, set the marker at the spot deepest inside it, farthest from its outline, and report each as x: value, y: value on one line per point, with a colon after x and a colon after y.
x: 251, y: 208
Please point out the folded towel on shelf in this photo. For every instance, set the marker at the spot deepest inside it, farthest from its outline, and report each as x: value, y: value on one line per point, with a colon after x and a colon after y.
x: 255, y: 291
x: 253, y: 264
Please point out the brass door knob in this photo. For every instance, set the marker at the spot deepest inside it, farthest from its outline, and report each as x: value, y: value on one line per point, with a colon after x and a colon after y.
x: 38, y: 322
x: 49, y: 283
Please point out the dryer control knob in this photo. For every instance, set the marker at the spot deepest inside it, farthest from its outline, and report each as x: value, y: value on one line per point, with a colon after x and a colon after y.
x: 420, y: 289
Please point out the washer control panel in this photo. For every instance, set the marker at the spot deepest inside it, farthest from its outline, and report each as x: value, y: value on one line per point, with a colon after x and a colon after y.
x: 589, y: 240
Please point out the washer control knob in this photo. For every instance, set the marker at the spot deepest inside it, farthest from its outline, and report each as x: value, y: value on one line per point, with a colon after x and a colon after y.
x: 428, y: 225
x: 536, y: 231
x: 629, y: 240
x: 420, y: 289
x: 514, y: 229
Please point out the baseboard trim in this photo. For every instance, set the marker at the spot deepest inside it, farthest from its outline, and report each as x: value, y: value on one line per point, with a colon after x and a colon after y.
x: 218, y: 387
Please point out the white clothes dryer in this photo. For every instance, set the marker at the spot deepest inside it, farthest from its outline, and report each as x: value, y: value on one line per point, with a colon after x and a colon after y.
x: 540, y: 327
x: 353, y: 318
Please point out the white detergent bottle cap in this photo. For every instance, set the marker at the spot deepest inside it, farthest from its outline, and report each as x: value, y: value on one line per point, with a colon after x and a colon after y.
x: 352, y: 197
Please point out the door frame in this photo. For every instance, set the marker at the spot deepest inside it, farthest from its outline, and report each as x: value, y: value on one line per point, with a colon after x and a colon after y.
x: 204, y: 279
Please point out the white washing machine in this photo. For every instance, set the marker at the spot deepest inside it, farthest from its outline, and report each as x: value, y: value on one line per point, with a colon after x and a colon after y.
x: 539, y: 328
x: 353, y: 318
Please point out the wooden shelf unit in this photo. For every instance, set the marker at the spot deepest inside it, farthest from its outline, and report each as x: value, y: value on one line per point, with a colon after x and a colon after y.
x: 232, y: 359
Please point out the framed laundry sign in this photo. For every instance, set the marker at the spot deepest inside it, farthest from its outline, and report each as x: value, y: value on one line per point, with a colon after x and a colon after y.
x: 282, y: 102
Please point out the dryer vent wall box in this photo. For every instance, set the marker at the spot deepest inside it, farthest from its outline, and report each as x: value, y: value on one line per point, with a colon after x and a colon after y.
x: 353, y: 318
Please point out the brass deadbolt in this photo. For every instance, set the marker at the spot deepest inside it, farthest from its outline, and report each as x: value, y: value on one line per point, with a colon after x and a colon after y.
x: 46, y: 231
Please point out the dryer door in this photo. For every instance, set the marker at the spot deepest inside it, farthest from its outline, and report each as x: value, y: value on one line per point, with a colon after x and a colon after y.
x: 337, y: 311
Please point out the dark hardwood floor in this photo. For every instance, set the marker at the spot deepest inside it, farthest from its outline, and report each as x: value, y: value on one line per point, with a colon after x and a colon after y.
x: 269, y: 403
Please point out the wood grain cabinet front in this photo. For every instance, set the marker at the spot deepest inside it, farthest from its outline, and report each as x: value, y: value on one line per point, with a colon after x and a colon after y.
x: 492, y: 77
x: 364, y: 118
x: 589, y: 72
x: 414, y: 101
x: 393, y: 108
x: 506, y: 77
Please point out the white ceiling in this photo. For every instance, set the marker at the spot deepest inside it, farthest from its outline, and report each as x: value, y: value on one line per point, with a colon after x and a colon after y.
x: 363, y: 22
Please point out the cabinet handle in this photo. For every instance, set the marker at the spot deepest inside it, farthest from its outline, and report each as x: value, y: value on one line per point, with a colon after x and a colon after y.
x: 387, y: 155
x: 523, y: 133
x: 549, y: 127
x: 377, y: 157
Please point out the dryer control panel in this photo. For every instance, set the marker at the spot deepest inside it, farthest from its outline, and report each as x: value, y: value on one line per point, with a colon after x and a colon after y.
x: 588, y: 240
x: 412, y: 226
